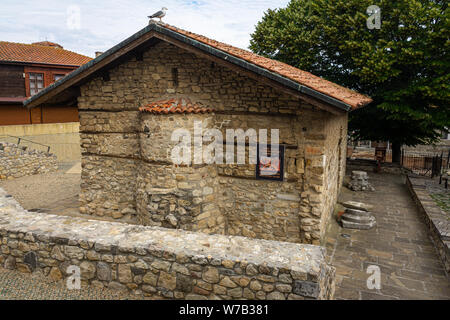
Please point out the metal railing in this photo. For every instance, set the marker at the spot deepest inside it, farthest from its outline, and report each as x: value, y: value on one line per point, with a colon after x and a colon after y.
x: 20, y: 139
x: 425, y: 163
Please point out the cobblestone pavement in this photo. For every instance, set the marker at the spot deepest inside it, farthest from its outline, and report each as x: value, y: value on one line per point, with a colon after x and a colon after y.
x: 399, y: 244
x: 20, y: 286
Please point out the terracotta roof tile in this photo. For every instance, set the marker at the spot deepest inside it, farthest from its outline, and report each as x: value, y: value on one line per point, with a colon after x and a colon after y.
x: 175, y: 105
x: 350, y: 97
x: 43, y: 52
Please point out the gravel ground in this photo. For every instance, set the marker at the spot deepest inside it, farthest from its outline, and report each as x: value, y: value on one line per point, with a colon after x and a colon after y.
x: 52, y: 191
x: 20, y: 286
x: 56, y: 192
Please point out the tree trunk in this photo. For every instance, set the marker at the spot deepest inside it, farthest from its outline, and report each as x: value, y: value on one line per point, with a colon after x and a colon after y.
x: 396, y: 152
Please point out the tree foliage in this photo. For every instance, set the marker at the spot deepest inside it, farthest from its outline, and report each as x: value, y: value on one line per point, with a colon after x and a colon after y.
x: 404, y: 66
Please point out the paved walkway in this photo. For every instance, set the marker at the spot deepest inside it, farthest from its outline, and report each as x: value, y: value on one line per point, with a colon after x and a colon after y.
x: 400, y: 245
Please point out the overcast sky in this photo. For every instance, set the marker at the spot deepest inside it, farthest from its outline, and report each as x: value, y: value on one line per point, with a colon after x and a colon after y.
x: 88, y: 26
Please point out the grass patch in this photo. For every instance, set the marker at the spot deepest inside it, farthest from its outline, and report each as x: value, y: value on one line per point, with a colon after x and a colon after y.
x: 442, y: 200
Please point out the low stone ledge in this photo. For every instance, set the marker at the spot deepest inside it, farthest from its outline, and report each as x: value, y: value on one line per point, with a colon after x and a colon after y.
x: 161, y: 262
x: 436, y: 220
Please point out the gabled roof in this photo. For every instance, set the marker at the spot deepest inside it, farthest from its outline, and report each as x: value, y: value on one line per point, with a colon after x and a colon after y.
x: 302, y: 82
x: 40, y: 52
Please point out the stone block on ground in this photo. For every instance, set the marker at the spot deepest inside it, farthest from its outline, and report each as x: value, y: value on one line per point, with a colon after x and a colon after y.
x: 360, y: 181
x: 357, y: 205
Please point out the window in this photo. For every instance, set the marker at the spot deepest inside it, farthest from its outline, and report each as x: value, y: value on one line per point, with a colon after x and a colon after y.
x: 57, y: 77
x: 36, y: 82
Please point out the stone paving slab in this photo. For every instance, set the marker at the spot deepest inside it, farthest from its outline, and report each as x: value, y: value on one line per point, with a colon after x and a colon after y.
x: 399, y: 245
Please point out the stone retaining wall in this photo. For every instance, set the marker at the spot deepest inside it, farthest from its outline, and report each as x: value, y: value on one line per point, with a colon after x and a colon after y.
x: 436, y: 220
x: 17, y: 161
x: 63, y: 138
x: 160, y: 262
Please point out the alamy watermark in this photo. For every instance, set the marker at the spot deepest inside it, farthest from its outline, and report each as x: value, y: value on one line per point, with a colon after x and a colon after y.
x: 374, y: 19
x: 74, y: 280
x: 374, y: 280
x: 372, y: 22
x: 206, y: 146
x: 73, y: 19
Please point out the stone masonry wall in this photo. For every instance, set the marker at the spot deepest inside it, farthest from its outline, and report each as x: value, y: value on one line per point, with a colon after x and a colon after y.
x: 175, y: 196
x: 261, y: 208
x: 335, y: 159
x: 115, y: 137
x: 158, y: 262
x: 17, y: 161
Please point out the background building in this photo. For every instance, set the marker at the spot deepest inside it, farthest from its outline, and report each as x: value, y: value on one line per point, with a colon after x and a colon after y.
x: 25, y: 69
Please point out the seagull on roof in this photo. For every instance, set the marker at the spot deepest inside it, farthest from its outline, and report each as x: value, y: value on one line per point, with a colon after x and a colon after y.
x: 160, y: 14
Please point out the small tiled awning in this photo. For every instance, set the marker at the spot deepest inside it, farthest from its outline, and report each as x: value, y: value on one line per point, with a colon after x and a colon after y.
x: 175, y: 105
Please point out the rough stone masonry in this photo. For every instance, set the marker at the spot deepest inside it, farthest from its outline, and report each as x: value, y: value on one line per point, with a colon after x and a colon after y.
x: 167, y: 263
x: 17, y: 161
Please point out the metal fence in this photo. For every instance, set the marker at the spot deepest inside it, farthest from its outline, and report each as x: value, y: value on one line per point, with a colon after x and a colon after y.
x: 20, y: 141
x: 425, y: 163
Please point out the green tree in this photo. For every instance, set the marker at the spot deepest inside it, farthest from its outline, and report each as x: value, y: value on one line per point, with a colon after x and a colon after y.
x: 404, y: 66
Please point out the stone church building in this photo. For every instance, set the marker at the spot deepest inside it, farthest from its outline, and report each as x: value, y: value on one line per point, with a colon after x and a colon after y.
x: 132, y: 98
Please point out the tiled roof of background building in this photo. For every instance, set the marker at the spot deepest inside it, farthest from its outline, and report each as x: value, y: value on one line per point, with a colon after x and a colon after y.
x: 43, y: 52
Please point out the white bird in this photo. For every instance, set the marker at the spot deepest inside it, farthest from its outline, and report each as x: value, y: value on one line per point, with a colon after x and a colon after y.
x: 160, y: 14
